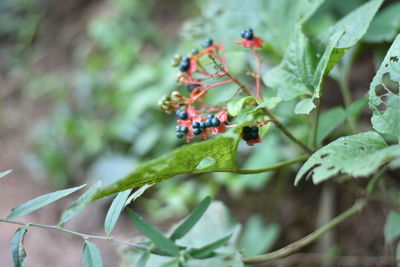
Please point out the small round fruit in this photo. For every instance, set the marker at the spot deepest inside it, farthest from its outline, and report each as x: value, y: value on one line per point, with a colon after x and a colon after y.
x: 196, y: 131
x: 254, y: 129
x: 184, y: 129
x: 179, y: 135
x: 208, y: 123
x: 196, y: 124
x: 215, y: 122
x: 207, y: 43
x: 210, y: 116
x: 178, y: 128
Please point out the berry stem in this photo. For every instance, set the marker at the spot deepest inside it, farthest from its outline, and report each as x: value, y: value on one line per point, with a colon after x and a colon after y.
x: 257, y: 76
x: 274, y: 167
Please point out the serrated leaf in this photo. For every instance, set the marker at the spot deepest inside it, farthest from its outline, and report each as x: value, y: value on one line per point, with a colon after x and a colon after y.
x: 254, y: 229
x: 40, y: 202
x: 357, y: 155
x: 385, y: 26
x: 392, y: 226
x: 115, y: 210
x: 207, y: 250
x: 180, y: 161
x: 384, y: 99
x: 153, y: 234
x: 235, y: 106
x: 17, y: 247
x: 91, y: 255
x: 2, y: 174
x: 354, y: 25
x: 79, y: 204
x: 191, y: 220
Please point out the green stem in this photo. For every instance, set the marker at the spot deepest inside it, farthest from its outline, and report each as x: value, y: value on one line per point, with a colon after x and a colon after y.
x: 273, y: 167
x: 315, y: 132
x: 374, y: 180
x: 295, y: 246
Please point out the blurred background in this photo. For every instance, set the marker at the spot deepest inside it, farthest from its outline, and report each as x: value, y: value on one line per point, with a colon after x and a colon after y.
x: 79, y: 86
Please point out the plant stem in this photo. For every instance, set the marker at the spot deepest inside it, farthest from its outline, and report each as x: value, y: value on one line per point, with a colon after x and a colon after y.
x: 315, y: 132
x: 258, y: 88
x: 274, y: 120
x: 374, y: 180
x: 297, y: 245
x: 84, y: 236
x: 273, y: 167
x: 347, y: 99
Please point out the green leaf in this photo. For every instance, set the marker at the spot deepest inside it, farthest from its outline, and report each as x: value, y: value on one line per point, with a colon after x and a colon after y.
x: 385, y: 26
x: 17, y: 247
x: 40, y: 202
x: 235, y: 106
x: 191, y: 220
x: 266, y: 236
x: 356, y: 107
x: 384, y: 100
x: 153, y: 234
x: 91, y: 255
x: 137, y: 193
x: 79, y: 204
x: 207, y: 250
x: 115, y: 210
x: 180, y: 161
x: 354, y: 25
x: 392, y: 226
x: 357, y: 155
x: 2, y: 174
x: 305, y: 106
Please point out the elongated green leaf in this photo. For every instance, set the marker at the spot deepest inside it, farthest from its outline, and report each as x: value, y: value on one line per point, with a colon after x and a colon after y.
x: 40, y: 202
x: 384, y: 99
x: 357, y: 155
x: 115, y: 210
x: 17, y: 247
x: 91, y: 255
x: 137, y: 193
x: 180, y: 161
x: 79, y: 204
x: 207, y: 250
x: 385, y: 26
x: 2, y: 174
x: 191, y: 220
x: 153, y: 234
x: 392, y: 226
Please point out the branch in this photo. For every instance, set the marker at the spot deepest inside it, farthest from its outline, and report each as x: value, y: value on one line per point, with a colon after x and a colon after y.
x: 301, y: 243
x: 273, y: 167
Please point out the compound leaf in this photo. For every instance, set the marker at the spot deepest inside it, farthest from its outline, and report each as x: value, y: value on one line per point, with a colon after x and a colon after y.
x: 180, y: 161
x: 153, y: 234
x: 191, y: 220
x: 40, y: 202
x: 91, y: 255
x: 357, y: 155
x: 384, y: 99
x: 115, y: 210
x: 17, y: 247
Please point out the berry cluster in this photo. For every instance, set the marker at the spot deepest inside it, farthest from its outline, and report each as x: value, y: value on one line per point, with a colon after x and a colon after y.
x: 196, y: 78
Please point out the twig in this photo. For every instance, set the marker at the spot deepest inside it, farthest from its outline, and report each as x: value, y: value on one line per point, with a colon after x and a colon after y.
x: 301, y: 243
x: 273, y: 167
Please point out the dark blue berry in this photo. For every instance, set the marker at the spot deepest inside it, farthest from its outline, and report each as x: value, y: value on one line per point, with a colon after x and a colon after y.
x: 181, y: 114
x: 254, y: 129
x: 191, y: 87
x: 207, y: 43
x: 247, y: 34
x: 254, y: 135
x: 247, y: 136
x: 246, y: 129
x: 215, y: 122
x: 202, y: 125
x: 179, y: 135
x: 210, y: 116
x: 196, y: 131
x: 196, y: 124
x: 208, y: 123
x: 184, y: 64
x: 184, y: 129
x: 195, y: 51
x: 178, y: 128
x: 242, y: 33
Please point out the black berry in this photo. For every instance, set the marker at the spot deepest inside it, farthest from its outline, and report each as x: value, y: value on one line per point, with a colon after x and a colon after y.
x: 184, y: 129
x: 181, y: 114
x: 210, y: 116
x: 250, y: 133
x: 215, y: 122
x: 246, y: 129
x: 179, y: 135
x: 203, y: 124
x: 254, y: 129
x: 208, y: 123
x: 196, y: 131
x: 184, y: 64
x: 178, y: 128
x: 247, y: 34
x: 207, y: 43
x: 196, y: 124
